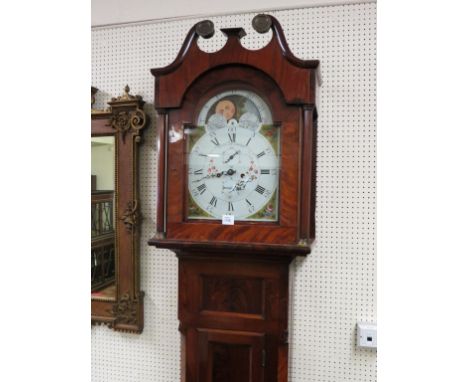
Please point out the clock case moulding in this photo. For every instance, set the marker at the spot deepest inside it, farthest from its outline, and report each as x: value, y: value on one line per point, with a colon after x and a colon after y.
x: 289, y: 84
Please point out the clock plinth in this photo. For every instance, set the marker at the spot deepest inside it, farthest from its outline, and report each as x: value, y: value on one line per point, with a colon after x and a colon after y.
x: 236, y: 136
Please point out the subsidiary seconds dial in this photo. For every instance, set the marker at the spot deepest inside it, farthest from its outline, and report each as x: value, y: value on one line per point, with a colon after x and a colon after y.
x: 233, y: 164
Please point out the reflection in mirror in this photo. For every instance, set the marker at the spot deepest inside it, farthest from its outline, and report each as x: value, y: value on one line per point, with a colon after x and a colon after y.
x: 103, y: 217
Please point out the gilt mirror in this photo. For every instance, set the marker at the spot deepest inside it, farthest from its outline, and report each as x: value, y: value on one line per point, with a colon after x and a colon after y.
x: 116, y: 299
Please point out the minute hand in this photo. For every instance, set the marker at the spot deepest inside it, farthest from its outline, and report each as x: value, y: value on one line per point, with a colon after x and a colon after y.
x: 231, y: 157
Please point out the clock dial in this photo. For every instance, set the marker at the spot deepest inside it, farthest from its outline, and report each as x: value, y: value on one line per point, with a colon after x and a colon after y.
x: 233, y: 161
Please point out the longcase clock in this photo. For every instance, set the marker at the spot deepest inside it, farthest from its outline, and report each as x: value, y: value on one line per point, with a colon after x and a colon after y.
x: 236, y: 196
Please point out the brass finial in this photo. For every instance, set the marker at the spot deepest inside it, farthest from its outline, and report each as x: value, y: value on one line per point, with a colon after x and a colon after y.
x: 126, y: 96
x: 205, y: 28
x: 262, y: 23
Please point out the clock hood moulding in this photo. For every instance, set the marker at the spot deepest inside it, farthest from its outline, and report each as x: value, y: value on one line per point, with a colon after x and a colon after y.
x: 292, y: 70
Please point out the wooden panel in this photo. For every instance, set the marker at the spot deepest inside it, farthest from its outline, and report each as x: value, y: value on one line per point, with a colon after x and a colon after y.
x: 230, y: 362
x: 246, y: 298
x: 230, y: 294
x: 230, y: 356
x: 238, y: 233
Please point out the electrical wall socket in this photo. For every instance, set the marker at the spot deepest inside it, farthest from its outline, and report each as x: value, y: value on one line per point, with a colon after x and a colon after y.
x: 366, y: 335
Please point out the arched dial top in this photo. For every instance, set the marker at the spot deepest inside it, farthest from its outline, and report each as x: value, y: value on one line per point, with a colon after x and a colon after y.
x: 233, y: 159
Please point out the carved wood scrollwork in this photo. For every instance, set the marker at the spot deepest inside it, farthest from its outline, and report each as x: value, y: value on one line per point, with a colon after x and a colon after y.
x: 126, y: 310
x: 127, y: 120
x: 131, y: 216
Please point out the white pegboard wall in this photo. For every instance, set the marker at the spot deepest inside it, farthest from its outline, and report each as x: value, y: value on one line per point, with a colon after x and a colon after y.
x: 331, y: 289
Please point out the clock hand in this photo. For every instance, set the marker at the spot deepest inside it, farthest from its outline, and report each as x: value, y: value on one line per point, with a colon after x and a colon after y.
x: 216, y: 174
x: 240, y: 185
x: 231, y: 157
x: 228, y: 172
x: 206, y: 177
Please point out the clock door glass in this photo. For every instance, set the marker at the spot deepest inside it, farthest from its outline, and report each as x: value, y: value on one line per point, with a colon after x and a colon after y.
x: 233, y: 159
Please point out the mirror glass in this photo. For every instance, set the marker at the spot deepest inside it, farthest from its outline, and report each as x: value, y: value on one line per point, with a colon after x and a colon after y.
x: 103, y: 217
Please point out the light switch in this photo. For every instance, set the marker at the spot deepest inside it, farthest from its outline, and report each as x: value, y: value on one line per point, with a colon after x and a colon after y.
x: 367, y: 335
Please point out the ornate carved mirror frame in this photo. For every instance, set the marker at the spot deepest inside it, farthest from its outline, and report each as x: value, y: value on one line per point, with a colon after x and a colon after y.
x: 124, y: 120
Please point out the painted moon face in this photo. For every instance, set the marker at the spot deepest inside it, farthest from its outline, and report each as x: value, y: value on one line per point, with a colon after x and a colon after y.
x: 226, y: 108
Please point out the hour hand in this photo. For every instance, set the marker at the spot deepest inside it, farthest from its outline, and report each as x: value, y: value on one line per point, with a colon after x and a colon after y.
x: 216, y: 174
x: 206, y: 177
x: 228, y: 172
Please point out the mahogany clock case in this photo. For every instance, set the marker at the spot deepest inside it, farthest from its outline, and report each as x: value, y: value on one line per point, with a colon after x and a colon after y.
x: 233, y: 279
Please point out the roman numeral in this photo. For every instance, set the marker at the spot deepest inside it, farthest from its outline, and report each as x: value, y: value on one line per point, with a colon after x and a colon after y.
x: 260, y: 189
x: 213, y: 201
x: 230, y: 206
x: 248, y: 141
x: 202, y: 188
x: 199, y: 172
x: 247, y: 200
x: 232, y: 137
x: 215, y: 141
x: 264, y: 172
x: 261, y: 154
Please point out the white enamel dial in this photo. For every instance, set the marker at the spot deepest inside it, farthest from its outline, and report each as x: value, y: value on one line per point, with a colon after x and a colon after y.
x: 233, y: 167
